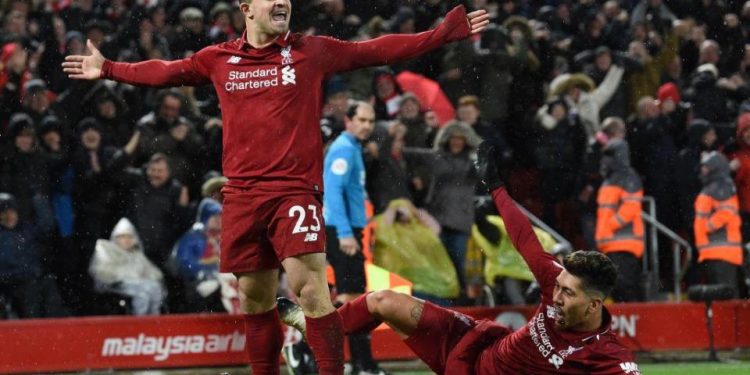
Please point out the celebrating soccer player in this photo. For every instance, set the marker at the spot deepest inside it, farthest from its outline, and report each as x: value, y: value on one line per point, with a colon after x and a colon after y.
x: 569, y: 332
x: 268, y: 83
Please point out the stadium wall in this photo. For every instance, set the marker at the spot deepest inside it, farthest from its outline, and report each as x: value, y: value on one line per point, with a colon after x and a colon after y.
x: 52, y: 345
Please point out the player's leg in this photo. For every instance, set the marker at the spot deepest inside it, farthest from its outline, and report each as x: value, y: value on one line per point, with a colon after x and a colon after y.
x: 263, y: 330
x: 325, y: 333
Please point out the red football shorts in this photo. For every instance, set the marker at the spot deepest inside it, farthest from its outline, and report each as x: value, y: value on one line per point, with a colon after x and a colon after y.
x: 260, y: 229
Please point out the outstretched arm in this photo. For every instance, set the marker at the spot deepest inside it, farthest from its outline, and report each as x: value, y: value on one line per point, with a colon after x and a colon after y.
x: 390, y: 49
x: 543, y: 265
x: 147, y: 73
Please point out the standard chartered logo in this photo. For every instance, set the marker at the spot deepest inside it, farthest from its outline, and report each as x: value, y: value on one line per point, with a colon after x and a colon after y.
x: 260, y: 78
x: 288, y: 76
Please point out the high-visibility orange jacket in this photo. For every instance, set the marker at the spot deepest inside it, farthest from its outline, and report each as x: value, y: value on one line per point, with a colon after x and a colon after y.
x: 717, y: 220
x: 619, y: 227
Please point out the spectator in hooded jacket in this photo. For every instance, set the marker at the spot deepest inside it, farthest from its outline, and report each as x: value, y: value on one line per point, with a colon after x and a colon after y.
x: 454, y: 180
x: 197, y: 257
x: 619, y: 227
x: 31, y: 292
x: 717, y: 224
x: 119, y: 266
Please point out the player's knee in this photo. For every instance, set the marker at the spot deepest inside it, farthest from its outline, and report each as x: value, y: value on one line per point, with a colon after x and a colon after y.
x: 382, y: 302
x: 312, y: 299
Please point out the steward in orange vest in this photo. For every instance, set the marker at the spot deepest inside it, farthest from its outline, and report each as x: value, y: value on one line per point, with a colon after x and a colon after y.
x: 717, y: 223
x: 619, y: 227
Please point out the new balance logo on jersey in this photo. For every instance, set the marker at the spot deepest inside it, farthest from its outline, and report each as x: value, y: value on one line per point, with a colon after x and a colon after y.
x: 234, y: 60
x: 288, y: 76
x: 311, y: 237
x: 630, y: 368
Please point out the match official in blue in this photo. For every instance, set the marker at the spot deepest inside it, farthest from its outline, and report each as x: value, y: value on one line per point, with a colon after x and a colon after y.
x: 344, y: 213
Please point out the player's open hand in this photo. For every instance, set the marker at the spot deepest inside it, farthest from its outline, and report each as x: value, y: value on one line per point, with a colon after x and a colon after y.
x: 84, y: 67
x: 478, y: 20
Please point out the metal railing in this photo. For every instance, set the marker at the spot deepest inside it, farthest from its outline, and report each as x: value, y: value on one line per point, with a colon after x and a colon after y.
x: 651, y: 262
x: 543, y: 226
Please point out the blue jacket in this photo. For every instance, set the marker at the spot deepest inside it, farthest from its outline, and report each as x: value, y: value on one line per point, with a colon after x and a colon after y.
x: 20, y: 251
x: 344, y: 181
x: 194, y: 258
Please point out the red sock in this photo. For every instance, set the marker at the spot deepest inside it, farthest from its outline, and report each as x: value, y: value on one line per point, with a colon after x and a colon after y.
x: 357, y: 318
x: 326, y: 338
x: 264, y: 337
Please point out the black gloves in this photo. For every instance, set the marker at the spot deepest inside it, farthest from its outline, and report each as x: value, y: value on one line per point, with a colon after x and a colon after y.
x: 486, y: 165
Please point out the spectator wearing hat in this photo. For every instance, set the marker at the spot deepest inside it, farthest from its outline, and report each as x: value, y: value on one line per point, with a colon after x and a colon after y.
x: 98, y: 173
x: 119, y: 265
x: 334, y: 112
x: 111, y: 113
x: 24, y: 169
x: 453, y: 180
x: 54, y: 142
x: 37, y: 99
x: 197, y: 259
x: 221, y: 28
x: 386, y: 94
x: 559, y: 152
x: 596, y: 64
x: 583, y: 97
x: 190, y: 35
x: 671, y: 105
x: 717, y: 224
x: 410, y: 115
x: 32, y: 293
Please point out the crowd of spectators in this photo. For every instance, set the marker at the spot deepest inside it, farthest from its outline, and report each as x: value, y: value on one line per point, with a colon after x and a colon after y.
x: 76, y: 157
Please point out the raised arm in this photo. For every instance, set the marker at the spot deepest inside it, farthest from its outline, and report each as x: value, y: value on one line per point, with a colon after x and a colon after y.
x: 389, y: 49
x: 147, y: 73
x: 543, y: 265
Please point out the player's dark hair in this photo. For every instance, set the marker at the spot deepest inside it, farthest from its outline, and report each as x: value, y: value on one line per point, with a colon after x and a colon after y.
x: 596, y: 271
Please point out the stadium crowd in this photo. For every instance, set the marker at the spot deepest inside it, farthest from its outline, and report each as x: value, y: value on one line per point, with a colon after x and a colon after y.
x: 108, y: 189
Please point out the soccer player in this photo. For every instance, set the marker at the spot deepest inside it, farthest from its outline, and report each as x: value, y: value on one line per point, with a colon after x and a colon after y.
x: 569, y: 332
x: 269, y: 87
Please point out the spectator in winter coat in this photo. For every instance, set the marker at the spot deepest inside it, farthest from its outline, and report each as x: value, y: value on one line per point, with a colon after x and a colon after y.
x: 119, y: 266
x: 24, y: 169
x: 454, y: 180
x: 31, y: 292
x: 159, y: 208
x: 717, y: 224
x: 197, y: 259
x: 619, y: 227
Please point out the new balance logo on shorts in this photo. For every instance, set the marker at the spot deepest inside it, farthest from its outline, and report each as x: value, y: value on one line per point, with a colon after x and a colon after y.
x: 288, y: 76
x: 311, y: 237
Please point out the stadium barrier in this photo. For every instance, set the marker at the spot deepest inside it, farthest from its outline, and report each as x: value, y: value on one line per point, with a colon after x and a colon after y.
x: 81, y: 344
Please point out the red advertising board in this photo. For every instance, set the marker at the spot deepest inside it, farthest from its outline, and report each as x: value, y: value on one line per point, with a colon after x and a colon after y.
x: 33, y: 346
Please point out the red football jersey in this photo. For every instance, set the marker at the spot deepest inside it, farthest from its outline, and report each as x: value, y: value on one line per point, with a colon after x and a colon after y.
x: 538, y: 347
x: 271, y: 97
